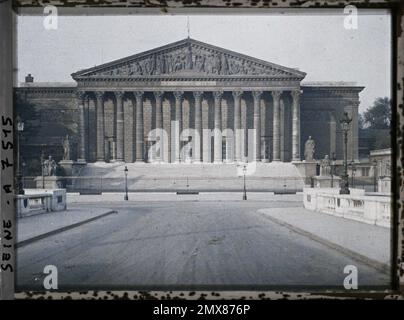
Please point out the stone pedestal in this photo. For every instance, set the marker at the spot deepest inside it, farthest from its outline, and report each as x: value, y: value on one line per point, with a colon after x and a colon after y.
x: 384, y: 185
x: 49, y: 182
x: 307, y: 169
x: 67, y: 167
x: 71, y: 168
x: 326, y: 182
x: 37, y: 201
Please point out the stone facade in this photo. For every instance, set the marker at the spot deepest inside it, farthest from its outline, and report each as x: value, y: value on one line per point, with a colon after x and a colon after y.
x: 322, y: 105
x: 111, y: 109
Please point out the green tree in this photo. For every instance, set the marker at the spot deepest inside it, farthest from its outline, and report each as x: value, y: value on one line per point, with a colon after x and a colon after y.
x: 374, y: 125
x: 361, y: 121
x: 27, y: 113
x: 378, y: 116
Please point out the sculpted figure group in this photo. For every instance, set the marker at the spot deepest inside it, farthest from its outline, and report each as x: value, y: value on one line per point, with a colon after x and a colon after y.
x: 188, y: 58
x: 49, y: 167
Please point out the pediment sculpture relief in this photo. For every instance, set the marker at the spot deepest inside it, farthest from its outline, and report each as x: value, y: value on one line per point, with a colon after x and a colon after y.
x: 197, y: 60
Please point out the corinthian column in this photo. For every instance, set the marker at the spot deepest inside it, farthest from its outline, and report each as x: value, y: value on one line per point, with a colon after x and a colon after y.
x: 257, y: 124
x: 296, y: 126
x: 80, y: 96
x: 276, y: 126
x: 87, y: 128
x: 218, y: 127
x: 119, y: 126
x: 178, y: 117
x: 237, y: 124
x: 158, y: 96
x: 139, y: 127
x: 354, y: 132
x: 100, y: 126
x: 198, y: 125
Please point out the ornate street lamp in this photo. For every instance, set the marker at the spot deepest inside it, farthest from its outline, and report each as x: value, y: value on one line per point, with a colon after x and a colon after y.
x: 333, y: 159
x: 345, y: 121
x: 126, y: 183
x: 23, y: 170
x: 245, y: 189
x: 20, y: 128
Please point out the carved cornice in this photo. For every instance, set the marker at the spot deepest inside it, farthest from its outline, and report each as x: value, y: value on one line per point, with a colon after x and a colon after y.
x: 45, y: 90
x: 318, y: 90
x: 110, y: 79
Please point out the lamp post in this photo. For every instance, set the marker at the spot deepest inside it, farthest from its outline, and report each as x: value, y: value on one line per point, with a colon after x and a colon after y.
x: 245, y: 189
x: 374, y: 175
x: 333, y: 159
x: 20, y: 128
x: 345, y: 121
x: 126, y: 183
x: 23, y: 170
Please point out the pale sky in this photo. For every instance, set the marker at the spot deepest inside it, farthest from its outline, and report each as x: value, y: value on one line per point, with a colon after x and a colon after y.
x: 317, y: 44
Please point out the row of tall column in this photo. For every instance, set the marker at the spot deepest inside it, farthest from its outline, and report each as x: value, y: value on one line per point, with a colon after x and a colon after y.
x: 198, y: 95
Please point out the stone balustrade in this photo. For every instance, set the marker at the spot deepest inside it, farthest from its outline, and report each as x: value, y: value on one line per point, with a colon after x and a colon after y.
x: 371, y: 209
x: 37, y: 201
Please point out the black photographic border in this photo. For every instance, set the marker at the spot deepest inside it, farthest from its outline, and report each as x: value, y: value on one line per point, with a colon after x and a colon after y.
x: 7, y: 174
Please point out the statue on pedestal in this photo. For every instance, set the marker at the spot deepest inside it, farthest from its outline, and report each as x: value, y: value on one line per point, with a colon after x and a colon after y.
x: 385, y: 169
x: 66, y: 148
x: 49, y: 168
x: 187, y: 150
x: 325, y: 167
x: 309, y: 149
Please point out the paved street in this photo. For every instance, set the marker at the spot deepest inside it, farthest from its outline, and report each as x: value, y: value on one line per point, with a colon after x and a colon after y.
x: 188, y: 243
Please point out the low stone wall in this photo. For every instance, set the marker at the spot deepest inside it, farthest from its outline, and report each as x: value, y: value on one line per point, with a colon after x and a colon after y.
x: 371, y: 209
x: 36, y: 201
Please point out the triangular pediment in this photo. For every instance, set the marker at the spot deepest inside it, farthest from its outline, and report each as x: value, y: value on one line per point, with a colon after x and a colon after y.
x: 188, y: 58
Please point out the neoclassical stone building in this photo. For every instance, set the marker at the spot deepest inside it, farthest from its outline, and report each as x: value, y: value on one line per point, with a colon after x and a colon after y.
x: 112, y: 109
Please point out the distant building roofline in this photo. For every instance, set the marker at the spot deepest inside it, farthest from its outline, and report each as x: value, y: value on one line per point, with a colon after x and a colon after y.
x: 47, y: 85
x: 329, y: 84
x: 379, y: 152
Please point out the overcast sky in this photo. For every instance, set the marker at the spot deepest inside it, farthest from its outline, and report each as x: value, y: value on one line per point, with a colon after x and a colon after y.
x: 316, y: 44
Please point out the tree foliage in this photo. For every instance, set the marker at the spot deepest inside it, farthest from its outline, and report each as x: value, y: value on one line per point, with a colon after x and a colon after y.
x: 374, y: 124
x: 26, y: 111
x: 378, y: 116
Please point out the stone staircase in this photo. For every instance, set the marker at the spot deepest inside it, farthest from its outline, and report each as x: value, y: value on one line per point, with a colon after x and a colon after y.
x: 275, y: 177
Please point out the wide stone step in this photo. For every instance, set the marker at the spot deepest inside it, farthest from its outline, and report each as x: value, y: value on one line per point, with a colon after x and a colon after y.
x: 274, y: 177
